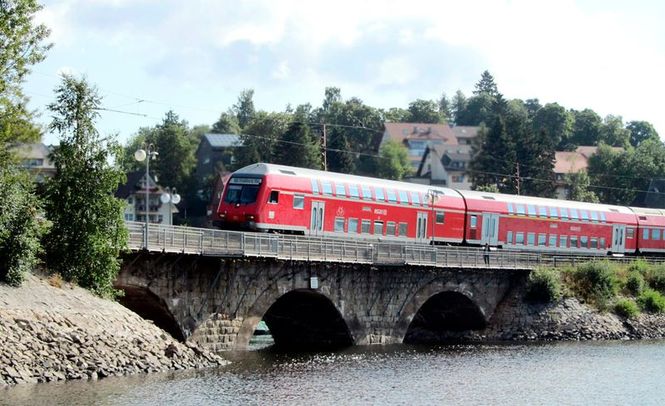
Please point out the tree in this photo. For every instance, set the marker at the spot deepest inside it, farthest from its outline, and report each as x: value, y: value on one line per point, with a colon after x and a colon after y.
x: 610, y: 171
x: 175, y: 163
x: 445, y: 108
x: 458, y: 106
x: 555, y: 122
x: 393, y: 162
x: 641, y: 131
x: 226, y: 124
x: 88, y: 230
x: 586, y: 127
x: 424, y: 111
x: 298, y: 146
x: 477, y: 109
x: 397, y: 115
x: 613, y: 133
x: 578, y: 188
x: 259, y: 138
x: 486, y: 85
x: 244, y: 108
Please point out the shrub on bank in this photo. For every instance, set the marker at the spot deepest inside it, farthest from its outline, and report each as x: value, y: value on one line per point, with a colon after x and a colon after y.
x: 640, y: 266
x: 596, y: 282
x: 635, y: 283
x: 544, y: 286
x: 655, y: 277
x: 651, y: 301
x: 626, y: 308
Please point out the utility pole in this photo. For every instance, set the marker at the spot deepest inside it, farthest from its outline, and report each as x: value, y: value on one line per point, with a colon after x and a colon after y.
x: 517, y: 164
x: 324, y: 147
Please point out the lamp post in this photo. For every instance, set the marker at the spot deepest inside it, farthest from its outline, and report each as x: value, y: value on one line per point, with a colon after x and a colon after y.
x: 171, y: 197
x: 140, y: 155
x: 433, y: 194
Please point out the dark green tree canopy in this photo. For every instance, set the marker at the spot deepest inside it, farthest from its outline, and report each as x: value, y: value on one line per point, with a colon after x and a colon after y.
x: 226, y: 124
x: 641, y: 131
x: 586, y: 127
x: 424, y: 111
x: 486, y: 85
x: 555, y: 122
x: 244, y: 108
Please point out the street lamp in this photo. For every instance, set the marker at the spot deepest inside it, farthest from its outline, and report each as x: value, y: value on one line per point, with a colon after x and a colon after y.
x: 171, y: 197
x: 433, y: 194
x: 141, y: 155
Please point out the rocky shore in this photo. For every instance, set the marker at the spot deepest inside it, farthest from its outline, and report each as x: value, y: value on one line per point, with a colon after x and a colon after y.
x: 53, y: 333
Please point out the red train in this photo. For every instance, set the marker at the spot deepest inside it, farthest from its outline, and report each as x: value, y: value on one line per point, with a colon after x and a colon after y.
x: 267, y: 197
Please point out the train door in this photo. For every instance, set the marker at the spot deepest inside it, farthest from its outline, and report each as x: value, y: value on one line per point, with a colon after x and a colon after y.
x: 618, y: 238
x: 421, y: 227
x: 490, y: 233
x: 316, y: 224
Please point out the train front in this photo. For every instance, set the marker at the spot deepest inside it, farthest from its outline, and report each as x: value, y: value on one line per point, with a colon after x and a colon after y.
x: 239, y: 208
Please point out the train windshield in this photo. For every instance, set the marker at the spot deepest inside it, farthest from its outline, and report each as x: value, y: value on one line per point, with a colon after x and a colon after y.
x: 242, y: 190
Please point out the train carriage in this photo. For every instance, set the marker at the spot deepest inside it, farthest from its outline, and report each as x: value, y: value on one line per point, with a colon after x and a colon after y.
x: 651, y: 235
x: 531, y: 223
x: 267, y: 197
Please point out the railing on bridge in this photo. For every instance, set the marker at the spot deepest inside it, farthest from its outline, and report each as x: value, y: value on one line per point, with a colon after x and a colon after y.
x: 221, y: 243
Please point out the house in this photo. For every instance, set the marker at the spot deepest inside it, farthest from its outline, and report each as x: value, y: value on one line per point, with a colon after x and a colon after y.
x: 218, y: 190
x: 35, y: 159
x: 134, y: 193
x: 444, y: 165
x: 215, y: 154
x: 568, y: 162
x: 416, y: 137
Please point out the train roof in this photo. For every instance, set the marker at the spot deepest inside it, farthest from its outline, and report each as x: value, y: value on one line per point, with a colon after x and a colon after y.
x: 264, y: 169
x: 541, y: 201
x: 647, y: 211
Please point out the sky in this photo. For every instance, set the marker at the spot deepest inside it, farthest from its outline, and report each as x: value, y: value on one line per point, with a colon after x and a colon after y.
x: 194, y: 57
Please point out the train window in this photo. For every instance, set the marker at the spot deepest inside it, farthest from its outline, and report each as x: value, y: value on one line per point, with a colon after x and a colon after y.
x: 340, y: 190
x: 378, y: 228
x: 364, y: 226
x: 473, y: 222
x: 542, y: 239
x: 563, y: 241
x: 594, y: 216
x: 274, y: 196
x: 353, y: 225
x: 353, y: 191
x: 542, y: 211
x: 327, y: 188
x: 594, y: 243
x: 367, y: 192
x: 390, y: 228
x: 440, y: 216
x: 339, y: 224
x: 531, y: 209
x: 553, y: 213
x: 602, y: 242
x: 584, y: 215
x: 655, y: 234
x: 573, y: 241
x: 519, y: 208
x: 315, y: 187
x: 379, y: 194
x: 645, y: 234
x: 298, y: 202
x: 509, y: 237
x: 402, y: 229
x: 564, y: 213
x: 403, y: 197
x: 573, y: 214
x: 553, y: 239
x: 392, y: 196
x: 415, y: 198
x: 584, y: 240
x: 519, y: 238
x: 530, y: 238
x: 510, y: 208
x: 602, y: 217
x: 630, y: 233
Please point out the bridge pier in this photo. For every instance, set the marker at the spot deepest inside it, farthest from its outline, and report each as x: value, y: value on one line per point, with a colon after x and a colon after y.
x: 217, y: 302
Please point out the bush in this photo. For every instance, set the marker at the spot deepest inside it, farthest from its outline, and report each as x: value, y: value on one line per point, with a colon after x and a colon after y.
x: 651, y: 301
x: 640, y: 266
x: 626, y: 308
x: 597, y: 282
x: 656, y: 278
x: 543, y: 286
x: 635, y: 283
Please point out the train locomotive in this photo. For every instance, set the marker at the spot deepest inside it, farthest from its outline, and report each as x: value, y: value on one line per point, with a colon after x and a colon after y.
x: 283, y: 199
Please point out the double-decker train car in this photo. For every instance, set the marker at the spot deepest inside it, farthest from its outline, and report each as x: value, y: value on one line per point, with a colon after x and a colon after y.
x: 651, y: 235
x: 267, y: 197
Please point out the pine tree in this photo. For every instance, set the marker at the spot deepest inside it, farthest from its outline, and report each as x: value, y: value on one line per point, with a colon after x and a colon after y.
x: 297, y: 147
x: 339, y: 156
x: 486, y: 85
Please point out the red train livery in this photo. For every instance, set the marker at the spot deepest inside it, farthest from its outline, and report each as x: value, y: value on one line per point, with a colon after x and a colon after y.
x: 267, y: 197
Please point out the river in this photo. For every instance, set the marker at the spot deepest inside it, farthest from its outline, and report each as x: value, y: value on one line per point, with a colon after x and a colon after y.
x: 578, y: 373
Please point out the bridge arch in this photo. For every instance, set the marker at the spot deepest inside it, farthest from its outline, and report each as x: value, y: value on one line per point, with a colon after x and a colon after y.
x: 148, y: 305
x: 300, y: 319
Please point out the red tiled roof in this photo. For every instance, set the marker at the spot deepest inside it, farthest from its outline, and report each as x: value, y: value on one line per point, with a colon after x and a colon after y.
x: 403, y: 131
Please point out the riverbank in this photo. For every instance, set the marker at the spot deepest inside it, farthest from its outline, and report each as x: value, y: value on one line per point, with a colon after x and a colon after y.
x: 51, y: 333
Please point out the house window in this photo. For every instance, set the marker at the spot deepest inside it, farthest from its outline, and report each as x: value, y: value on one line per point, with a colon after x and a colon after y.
x: 274, y: 196
x: 298, y: 202
x: 353, y: 225
x: 129, y: 217
x: 339, y: 224
x: 457, y: 178
x: 130, y: 200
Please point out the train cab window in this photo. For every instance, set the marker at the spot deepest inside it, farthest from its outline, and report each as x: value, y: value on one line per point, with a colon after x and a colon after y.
x: 584, y: 241
x: 553, y: 213
x: 645, y: 234
x: 603, y: 219
x: 573, y: 241
x: 553, y: 239
x: 440, y: 217
x: 655, y: 234
x: 339, y: 224
x: 353, y: 226
x: 390, y: 228
x: 274, y: 196
x: 530, y: 238
x: 379, y: 194
x: 602, y: 243
x: 509, y: 237
x: 340, y: 190
x: 519, y: 238
x: 542, y: 239
x: 353, y: 191
x: 573, y: 214
x: 392, y: 196
x: 415, y: 198
x: 473, y: 222
x: 542, y: 211
x: 519, y: 208
x: 584, y: 215
x: 327, y: 188
x: 402, y: 229
x: 630, y: 233
x: 403, y: 197
x: 531, y: 209
x: 510, y: 208
x: 378, y: 228
x: 563, y: 241
x: 298, y: 202
x: 367, y: 192
x: 564, y: 213
x: 593, y: 243
x: 315, y: 187
x: 594, y: 216
x: 364, y: 226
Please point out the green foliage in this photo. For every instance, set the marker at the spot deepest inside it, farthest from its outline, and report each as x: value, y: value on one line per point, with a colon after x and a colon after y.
x: 586, y: 127
x: 244, y: 108
x: 492, y: 188
x: 626, y: 308
x: 655, y: 277
x: 88, y: 230
x: 555, y: 122
x: 299, y: 147
x: 596, y: 282
x: 613, y: 132
x: 424, y: 111
x: 651, y: 301
x: 641, y: 131
x: 544, y: 286
x: 393, y: 162
x: 578, y: 187
x: 226, y: 124
x: 486, y: 85
x: 635, y: 283
x: 20, y: 226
